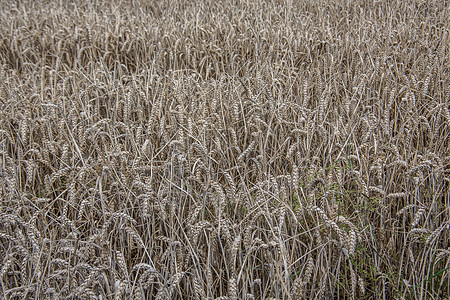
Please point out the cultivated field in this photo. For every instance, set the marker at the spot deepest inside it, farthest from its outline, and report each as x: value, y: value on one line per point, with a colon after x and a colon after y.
x: 225, y: 149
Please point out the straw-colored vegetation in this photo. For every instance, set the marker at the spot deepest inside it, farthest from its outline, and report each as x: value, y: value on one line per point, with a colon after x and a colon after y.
x: 224, y: 149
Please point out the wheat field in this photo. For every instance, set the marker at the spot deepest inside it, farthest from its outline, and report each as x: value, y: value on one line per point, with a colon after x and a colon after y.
x: 225, y: 149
